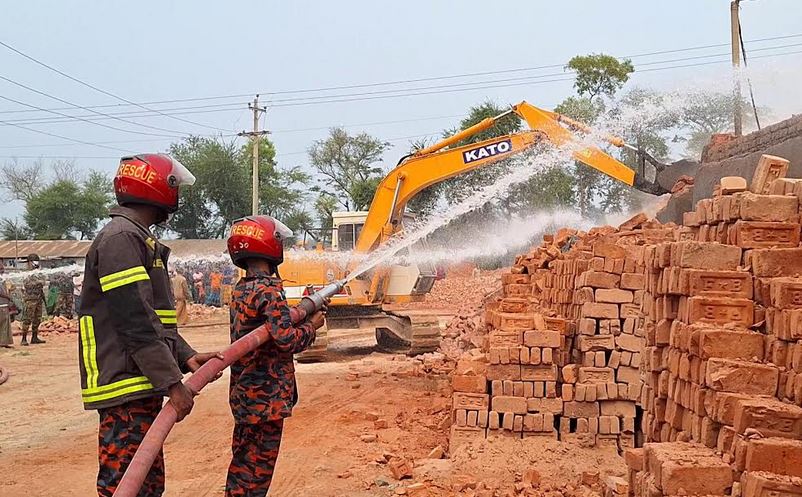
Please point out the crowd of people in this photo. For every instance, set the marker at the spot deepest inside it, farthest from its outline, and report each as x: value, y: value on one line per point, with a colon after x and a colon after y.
x: 31, y: 297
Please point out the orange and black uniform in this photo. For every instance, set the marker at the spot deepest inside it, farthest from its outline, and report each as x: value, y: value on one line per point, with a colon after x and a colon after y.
x: 129, y: 348
x: 262, y: 391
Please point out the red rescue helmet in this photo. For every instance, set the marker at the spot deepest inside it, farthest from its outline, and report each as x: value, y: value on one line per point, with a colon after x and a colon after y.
x: 259, y: 237
x: 151, y: 179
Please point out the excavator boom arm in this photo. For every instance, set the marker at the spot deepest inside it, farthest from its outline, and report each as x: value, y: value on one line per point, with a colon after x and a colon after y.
x: 441, y: 161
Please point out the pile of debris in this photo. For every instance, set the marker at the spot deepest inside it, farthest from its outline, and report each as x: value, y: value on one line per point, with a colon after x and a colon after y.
x: 59, y: 324
x: 200, y: 311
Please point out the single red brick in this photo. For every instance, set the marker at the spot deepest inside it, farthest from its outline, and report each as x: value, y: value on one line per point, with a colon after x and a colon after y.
x: 769, y: 168
x: 475, y: 401
x: 762, y: 484
x: 732, y: 184
x: 633, y: 281
x: 775, y: 455
x: 581, y: 409
x: 703, y: 255
x: 614, y: 295
x: 506, y: 404
x: 729, y: 344
x: 757, y: 234
x: 695, y: 282
x: 768, y: 416
x: 594, y: 343
x: 786, y: 293
x: 776, y: 262
x: 721, y: 310
x: 551, y: 339
x: 770, y: 208
x: 469, y: 383
x: 600, y: 310
x: 726, y: 375
x: 598, y: 279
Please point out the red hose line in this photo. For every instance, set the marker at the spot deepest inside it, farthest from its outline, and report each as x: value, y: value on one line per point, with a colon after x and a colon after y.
x: 3, y: 374
x: 154, y: 439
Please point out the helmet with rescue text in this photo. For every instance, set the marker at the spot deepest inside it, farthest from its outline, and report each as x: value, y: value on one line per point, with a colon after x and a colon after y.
x: 259, y: 237
x: 151, y: 179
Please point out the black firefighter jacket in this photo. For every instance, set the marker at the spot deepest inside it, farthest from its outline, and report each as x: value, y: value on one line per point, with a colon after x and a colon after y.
x: 129, y: 346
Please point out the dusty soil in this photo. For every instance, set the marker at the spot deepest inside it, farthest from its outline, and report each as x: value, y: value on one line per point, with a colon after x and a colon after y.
x: 48, y: 442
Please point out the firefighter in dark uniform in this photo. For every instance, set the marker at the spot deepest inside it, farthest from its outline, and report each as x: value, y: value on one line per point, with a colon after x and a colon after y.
x: 262, y: 391
x: 130, y: 352
x: 34, y: 299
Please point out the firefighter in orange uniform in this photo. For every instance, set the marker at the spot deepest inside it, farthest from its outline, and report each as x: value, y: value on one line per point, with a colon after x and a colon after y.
x: 262, y: 391
x: 130, y: 352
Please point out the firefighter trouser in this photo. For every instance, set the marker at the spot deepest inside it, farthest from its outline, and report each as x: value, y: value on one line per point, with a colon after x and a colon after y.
x: 121, y: 430
x: 254, y: 452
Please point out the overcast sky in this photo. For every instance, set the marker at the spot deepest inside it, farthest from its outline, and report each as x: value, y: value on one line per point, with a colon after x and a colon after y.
x: 150, y: 51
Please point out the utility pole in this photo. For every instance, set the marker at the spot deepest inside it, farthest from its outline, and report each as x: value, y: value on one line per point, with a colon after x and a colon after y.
x: 255, y: 135
x: 735, y: 29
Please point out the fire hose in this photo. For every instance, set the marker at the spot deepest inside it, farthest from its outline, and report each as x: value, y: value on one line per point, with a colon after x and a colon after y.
x: 154, y: 439
x: 3, y: 374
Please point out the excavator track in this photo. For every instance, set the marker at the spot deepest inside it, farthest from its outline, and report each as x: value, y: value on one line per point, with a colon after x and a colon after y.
x: 412, y: 335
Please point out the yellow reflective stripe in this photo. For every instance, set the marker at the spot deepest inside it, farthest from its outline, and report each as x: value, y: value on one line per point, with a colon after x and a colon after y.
x: 116, y: 389
x: 167, y: 316
x: 91, y: 381
x: 122, y: 274
x: 122, y: 278
x: 85, y: 350
x: 89, y: 350
x: 125, y: 281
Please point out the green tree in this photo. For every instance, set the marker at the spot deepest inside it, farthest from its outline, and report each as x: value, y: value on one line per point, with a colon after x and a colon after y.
x: 599, y: 74
x: 222, y: 191
x: 707, y: 113
x: 68, y: 206
x: 349, y: 165
x: 13, y: 229
x: 66, y: 210
x: 282, y: 191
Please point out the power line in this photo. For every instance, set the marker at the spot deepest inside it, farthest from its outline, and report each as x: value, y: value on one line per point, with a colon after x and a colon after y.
x: 34, y: 90
x: 84, y: 83
x: 79, y: 119
x: 280, y: 131
x: 525, y: 83
x: 453, y: 76
x: 420, y: 93
x: 67, y: 138
x: 394, y: 93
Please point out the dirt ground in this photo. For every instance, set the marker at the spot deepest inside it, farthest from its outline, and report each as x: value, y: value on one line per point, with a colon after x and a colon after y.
x: 48, y: 442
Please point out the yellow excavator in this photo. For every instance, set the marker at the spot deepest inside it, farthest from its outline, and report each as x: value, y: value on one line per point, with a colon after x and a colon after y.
x: 371, y: 300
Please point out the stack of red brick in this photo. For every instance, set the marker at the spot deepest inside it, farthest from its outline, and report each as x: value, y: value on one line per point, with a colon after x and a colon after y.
x: 544, y: 377
x: 773, y: 469
x: 721, y: 321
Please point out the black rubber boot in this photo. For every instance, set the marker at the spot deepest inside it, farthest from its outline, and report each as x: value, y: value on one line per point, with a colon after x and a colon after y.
x: 24, y: 338
x: 35, y: 337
